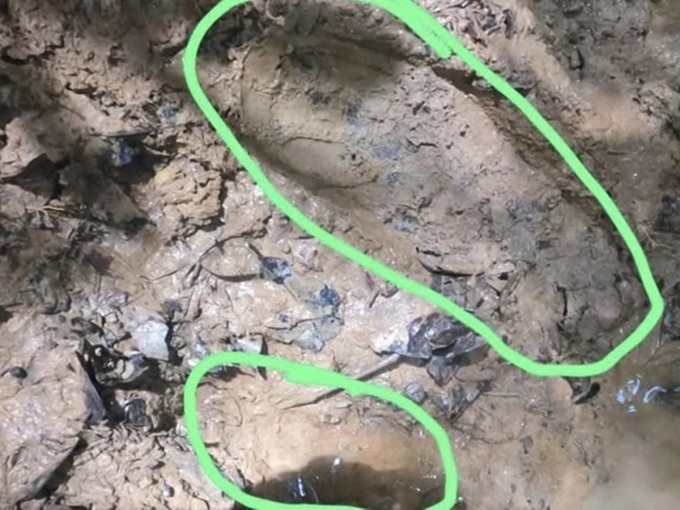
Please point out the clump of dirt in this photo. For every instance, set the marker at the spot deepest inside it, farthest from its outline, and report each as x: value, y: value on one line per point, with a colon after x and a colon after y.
x: 132, y: 246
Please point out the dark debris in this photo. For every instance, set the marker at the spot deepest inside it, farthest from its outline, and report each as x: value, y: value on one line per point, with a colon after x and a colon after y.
x: 18, y: 372
x: 668, y: 216
x: 415, y: 392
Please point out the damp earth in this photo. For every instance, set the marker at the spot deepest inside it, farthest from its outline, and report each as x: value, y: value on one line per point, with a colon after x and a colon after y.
x: 133, y: 245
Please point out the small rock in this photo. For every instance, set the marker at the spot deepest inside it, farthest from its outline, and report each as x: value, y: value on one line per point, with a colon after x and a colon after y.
x: 145, y: 482
x: 167, y: 491
x: 121, y: 154
x: 135, y: 414
x: 328, y: 327
x: 111, y: 367
x: 200, y: 350
x: 433, y: 331
x: 527, y: 442
x: 151, y: 338
x: 452, y: 403
x: 464, y: 345
x: 326, y: 297
x: 172, y: 310
x: 275, y: 270
x: 117, y: 299
x: 253, y: 344
x: 415, y: 392
x: 576, y: 60
x: 396, y: 347
x: 523, y: 244
x: 93, y: 401
x: 440, y: 371
x: 18, y: 372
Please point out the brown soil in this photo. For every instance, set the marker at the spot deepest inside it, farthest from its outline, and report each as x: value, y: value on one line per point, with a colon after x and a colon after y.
x: 124, y: 222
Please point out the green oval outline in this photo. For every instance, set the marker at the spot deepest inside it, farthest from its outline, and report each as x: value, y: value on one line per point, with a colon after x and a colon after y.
x: 308, y: 375
x: 444, y: 44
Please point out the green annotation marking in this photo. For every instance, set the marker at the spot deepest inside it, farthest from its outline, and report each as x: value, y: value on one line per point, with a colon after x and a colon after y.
x: 308, y: 375
x: 444, y: 44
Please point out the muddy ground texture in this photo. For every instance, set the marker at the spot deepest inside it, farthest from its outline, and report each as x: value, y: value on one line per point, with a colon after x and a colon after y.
x: 132, y: 245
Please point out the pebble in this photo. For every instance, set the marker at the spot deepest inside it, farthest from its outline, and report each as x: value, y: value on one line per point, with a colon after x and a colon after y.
x: 275, y: 269
x: 151, y: 337
x: 576, y: 60
x: 18, y: 372
x: 415, y: 392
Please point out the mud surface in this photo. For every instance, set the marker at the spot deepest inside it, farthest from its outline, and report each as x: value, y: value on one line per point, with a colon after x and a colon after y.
x: 132, y: 245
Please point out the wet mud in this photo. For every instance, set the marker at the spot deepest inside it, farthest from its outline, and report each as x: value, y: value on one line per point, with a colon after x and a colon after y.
x: 331, y: 482
x: 132, y: 245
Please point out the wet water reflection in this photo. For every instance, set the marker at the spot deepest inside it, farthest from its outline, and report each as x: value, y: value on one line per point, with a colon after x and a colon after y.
x: 332, y: 481
x: 641, y: 444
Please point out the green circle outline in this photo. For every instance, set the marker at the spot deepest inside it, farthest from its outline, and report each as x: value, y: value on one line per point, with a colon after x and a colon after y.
x: 444, y: 44
x: 309, y: 375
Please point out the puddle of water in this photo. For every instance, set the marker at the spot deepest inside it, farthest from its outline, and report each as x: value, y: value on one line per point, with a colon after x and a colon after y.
x: 642, y: 440
x: 333, y: 481
x: 649, y: 381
